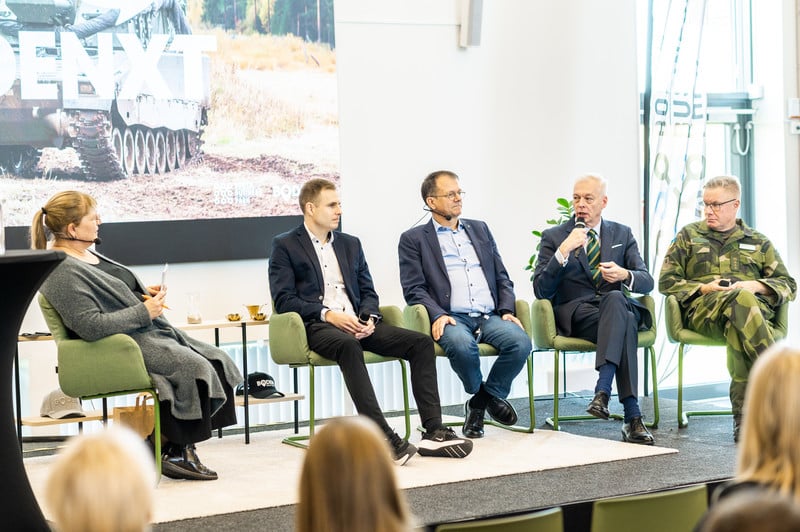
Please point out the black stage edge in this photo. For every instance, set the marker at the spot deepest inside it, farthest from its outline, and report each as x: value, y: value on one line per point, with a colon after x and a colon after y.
x: 706, y: 455
x: 175, y: 241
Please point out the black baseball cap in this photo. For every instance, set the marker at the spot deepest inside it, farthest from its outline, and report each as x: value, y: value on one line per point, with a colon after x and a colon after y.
x: 259, y: 385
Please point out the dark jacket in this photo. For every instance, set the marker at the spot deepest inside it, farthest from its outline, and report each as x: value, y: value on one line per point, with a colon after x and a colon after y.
x: 567, y: 286
x: 424, y: 276
x: 295, y: 275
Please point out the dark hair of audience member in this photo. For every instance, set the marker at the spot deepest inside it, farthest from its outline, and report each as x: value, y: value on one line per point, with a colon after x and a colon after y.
x: 753, y: 510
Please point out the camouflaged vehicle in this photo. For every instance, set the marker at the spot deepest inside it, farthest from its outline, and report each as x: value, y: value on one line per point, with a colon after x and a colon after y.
x: 105, y: 77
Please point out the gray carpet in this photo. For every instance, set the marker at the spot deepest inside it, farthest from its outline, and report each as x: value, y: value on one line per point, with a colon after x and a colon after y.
x: 706, y: 454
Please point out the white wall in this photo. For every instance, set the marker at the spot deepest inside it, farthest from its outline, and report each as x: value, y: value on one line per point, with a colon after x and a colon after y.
x: 550, y: 94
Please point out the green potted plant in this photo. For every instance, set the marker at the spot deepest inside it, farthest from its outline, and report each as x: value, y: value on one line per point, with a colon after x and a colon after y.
x: 565, y: 212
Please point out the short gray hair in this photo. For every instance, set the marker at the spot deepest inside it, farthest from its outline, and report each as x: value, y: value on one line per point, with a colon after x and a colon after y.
x: 597, y: 178
x: 728, y: 182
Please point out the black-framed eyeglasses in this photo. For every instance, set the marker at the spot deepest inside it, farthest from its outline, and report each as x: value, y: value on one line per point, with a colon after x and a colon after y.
x: 717, y: 206
x: 450, y: 195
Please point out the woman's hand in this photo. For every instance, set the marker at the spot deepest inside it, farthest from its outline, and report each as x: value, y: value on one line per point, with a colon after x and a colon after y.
x: 155, y: 304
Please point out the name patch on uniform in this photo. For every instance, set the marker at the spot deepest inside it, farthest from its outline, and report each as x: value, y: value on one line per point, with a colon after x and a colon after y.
x: 747, y: 247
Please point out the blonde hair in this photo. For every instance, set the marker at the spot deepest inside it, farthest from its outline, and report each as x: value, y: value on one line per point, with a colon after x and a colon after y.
x: 68, y: 207
x: 348, y: 482
x: 768, y: 450
x: 102, y: 482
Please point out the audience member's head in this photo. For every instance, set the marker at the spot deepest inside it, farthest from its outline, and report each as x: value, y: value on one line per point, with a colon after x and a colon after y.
x: 102, y: 482
x: 348, y: 482
x: 768, y: 451
x: 752, y: 510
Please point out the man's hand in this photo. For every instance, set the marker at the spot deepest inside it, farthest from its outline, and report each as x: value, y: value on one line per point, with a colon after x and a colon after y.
x: 510, y: 317
x: 576, y: 239
x: 755, y: 287
x: 612, y: 272
x: 437, y: 328
x: 350, y: 324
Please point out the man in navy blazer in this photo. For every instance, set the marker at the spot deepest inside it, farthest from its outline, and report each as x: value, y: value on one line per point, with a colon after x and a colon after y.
x: 452, y: 267
x: 592, y: 302
x: 322, y: 275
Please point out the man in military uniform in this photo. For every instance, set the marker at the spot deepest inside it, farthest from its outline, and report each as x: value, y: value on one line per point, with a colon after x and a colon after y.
x: 729, y: 279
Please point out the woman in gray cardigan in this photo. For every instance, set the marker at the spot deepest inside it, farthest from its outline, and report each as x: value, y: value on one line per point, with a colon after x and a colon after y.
x: 96, y: 297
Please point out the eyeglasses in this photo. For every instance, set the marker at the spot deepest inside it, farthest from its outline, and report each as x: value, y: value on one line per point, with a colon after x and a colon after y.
x: 450, y: 195
x: 716, y: 206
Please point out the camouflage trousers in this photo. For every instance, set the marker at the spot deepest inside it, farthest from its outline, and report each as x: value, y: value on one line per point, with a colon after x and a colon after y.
x: 743, y: 321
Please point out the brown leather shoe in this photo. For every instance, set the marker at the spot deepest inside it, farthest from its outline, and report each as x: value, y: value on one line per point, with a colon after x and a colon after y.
x: 636, y: 432
x: 182, y: 463
x: 599, y: 406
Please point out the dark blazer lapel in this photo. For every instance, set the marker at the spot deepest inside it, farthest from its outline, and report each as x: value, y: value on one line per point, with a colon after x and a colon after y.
x: 432, y: 240
x: 305, y: 244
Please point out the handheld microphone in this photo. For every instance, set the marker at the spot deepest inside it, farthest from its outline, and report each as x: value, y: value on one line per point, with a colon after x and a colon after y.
x: 443, y: 215
x: 579, y: 223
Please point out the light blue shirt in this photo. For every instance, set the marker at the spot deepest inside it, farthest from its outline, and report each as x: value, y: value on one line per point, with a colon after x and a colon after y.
x: 469, y: 288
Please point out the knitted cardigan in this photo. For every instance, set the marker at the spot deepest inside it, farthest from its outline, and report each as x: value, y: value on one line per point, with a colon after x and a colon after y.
x: 94, y: 304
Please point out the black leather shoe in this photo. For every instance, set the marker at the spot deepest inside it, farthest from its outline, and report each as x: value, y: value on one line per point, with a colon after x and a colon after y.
x: 185, y: 465
x: 473, y: 421
x: 501, y: 411
x: 636, y: 432
x: 599, y: 405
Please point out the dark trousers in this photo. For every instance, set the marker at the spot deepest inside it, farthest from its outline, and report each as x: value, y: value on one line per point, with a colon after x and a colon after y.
x: 387, y: 340
x: 612, y: 321
x: 184, y: 431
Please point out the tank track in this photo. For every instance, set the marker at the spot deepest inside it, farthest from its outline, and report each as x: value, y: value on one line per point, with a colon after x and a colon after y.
x: 94, y: 146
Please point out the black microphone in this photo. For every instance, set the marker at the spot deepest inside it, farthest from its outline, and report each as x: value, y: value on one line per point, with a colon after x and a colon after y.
x: 579, y: 223
x: 95, y: 241
x: 443, y: 215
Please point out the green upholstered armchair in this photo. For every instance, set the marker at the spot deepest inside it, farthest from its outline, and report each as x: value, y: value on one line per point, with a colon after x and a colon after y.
x: 664, y: 511
x: 288, y: 345
x: 679, y: 334
x: 417, y: 319
x: 545, y: 336
x: 105, y: 368
x: 551, y: 520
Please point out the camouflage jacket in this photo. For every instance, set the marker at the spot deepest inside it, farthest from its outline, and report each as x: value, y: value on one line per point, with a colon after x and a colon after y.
x: 699, y: 255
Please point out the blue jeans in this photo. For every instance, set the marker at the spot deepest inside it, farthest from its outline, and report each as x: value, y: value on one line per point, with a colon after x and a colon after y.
x: 460, y: 342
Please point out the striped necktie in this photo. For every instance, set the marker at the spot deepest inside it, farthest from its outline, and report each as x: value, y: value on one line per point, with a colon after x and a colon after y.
x: 593, y: 256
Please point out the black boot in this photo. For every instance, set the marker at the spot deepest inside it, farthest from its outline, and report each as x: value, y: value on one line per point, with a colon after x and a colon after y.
x: 182, y: 462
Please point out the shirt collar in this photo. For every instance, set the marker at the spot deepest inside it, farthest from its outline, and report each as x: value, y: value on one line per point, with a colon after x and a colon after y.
x: 440, y: 227
x: 314, y: 238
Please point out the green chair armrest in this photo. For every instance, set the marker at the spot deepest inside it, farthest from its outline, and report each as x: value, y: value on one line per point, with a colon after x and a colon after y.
x: 544, y: 324
x: 781, y: 321
x: 523, y: 312
x: 392, y: 315
x: 287, y: 339
x: 416, y: 319
x: 122, y: 362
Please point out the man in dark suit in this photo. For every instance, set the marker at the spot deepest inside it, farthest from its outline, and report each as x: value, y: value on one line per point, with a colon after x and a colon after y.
x: 323, y: 276
x: 452, y: 267
x: 586, y: 267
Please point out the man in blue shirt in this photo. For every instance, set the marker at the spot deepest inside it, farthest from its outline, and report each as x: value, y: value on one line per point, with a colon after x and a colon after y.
x: 452, y: 267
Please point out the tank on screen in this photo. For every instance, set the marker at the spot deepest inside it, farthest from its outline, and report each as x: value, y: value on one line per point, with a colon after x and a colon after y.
x: 123, y: 82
